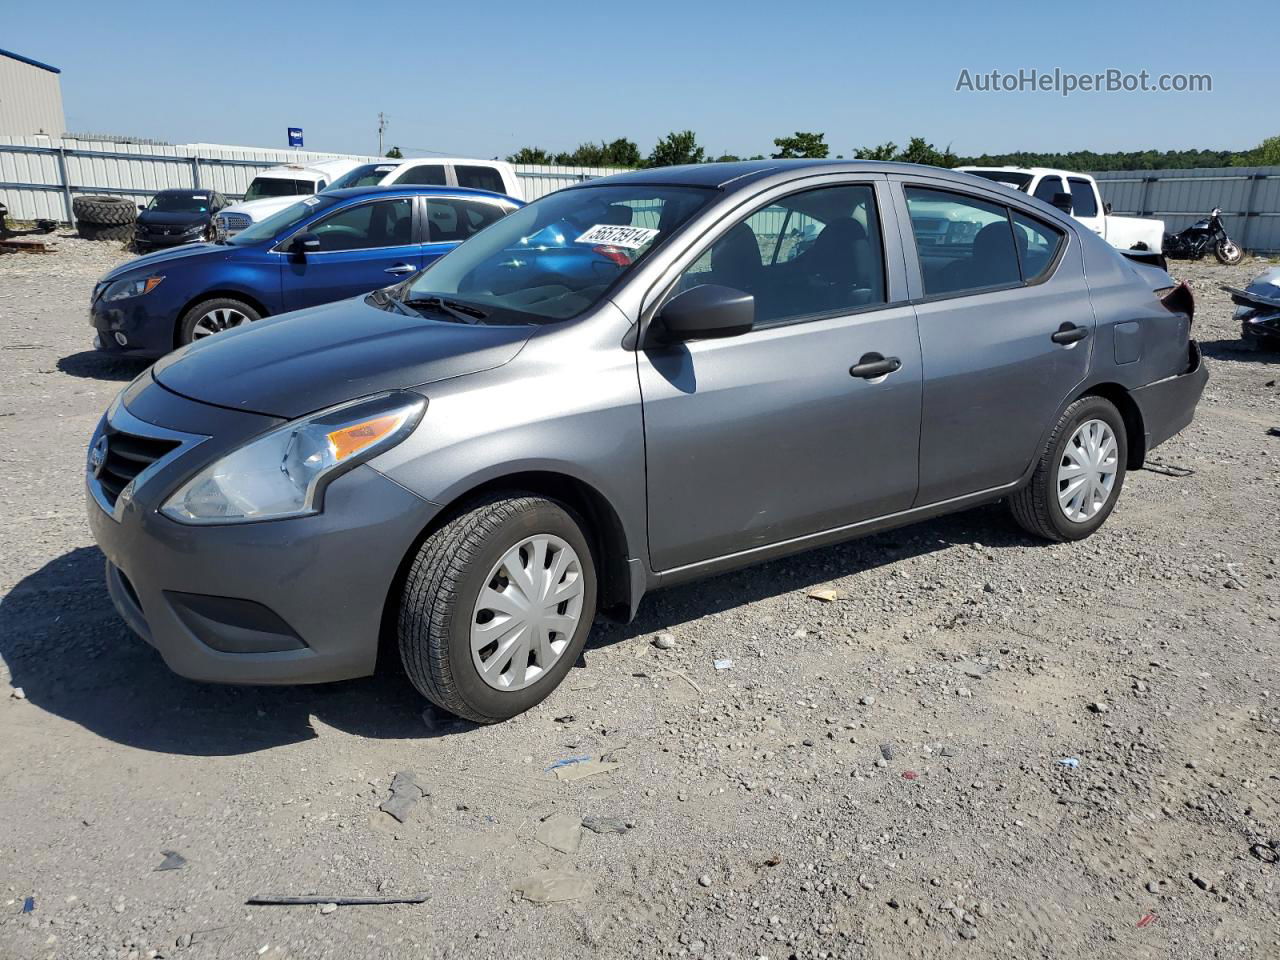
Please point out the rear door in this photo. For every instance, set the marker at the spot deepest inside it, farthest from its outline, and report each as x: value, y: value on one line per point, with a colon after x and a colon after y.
x: 767, y: 436
x: 990, y: 298
x: 363, y: 247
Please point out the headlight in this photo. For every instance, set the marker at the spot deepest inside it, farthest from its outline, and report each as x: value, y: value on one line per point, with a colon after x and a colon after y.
x: 283, y: 473
x: 126, y: 287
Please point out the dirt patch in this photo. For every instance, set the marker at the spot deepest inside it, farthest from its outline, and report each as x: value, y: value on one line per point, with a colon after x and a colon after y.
x: 767, y: 817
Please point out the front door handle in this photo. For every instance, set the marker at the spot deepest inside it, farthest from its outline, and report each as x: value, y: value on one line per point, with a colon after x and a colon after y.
x: 872, y: 365
x: 400, y: 269
x: 1069, y: 333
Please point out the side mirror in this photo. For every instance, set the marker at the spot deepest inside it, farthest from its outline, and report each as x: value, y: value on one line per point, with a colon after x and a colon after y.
x: 1062, y: 201
x: 142, y: 206
x: 1106, y: 208
x: 705, y: 312
x: 303, y: 242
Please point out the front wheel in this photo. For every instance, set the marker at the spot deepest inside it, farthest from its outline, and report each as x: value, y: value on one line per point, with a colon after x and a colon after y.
x: 1228, y: 251
x: 213, y: 316
x: 497, y: 606
x: 1078, y: 478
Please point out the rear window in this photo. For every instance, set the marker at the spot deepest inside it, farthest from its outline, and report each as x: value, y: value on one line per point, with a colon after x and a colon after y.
x: 480, y: 178
x: 1010, y: 178
x: 275, y: 187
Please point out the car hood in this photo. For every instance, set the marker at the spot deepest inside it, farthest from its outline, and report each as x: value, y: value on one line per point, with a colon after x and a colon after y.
x: 296, y: 363
x: 261, y: 209
x: 188, y: 253
x: 172, y: 218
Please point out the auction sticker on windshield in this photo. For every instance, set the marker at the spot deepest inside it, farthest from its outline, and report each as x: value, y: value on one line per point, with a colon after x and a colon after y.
x: 618, y: 236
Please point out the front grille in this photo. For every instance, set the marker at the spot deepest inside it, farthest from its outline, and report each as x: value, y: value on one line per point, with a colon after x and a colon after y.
x: 127, y: 456
x: 234, y: 222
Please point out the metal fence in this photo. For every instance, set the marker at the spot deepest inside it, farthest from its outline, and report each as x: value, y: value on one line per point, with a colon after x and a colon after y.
x: 1249, y: 198
x: 39, y: 176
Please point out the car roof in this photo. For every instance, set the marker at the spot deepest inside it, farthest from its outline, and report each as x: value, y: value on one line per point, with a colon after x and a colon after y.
x: 733, y: 176
x: 405, y: 189
x: 187, y: 191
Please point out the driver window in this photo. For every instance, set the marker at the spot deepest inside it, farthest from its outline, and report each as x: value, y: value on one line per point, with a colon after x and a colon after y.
x: 385, y: 223
x: 809, y: 254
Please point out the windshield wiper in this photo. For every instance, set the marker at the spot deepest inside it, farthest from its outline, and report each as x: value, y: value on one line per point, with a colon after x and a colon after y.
x: 463, y: 312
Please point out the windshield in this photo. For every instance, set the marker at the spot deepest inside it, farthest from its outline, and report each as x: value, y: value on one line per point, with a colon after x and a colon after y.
x: 1010, y: 178
x: 180, y: 203
x: 368, y: 175
x: 275, y: 187
x: 277, y: 223
x: 556, y: 257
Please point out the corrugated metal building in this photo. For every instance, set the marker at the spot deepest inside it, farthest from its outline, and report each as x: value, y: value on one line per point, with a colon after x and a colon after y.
x: 30, y: 97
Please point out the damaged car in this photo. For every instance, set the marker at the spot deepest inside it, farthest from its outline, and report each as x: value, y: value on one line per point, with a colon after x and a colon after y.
x: 714, y: 366
x: 1258, y: 310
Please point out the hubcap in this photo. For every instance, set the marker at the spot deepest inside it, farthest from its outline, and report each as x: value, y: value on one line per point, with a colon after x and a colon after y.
x: 215, y: 321
x: 1087, y: 473
x: 527, y: 612
x: 1230, y: 250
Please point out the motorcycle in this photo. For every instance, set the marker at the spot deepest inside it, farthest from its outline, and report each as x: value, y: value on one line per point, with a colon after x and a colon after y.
x: 1201, y: 237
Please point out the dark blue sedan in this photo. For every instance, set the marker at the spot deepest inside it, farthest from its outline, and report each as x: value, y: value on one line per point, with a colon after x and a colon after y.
x: 324, y: 248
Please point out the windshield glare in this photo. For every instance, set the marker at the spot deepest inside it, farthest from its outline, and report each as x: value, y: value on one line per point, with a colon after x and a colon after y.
x: 368, y: 175
x: 556, y: 257
x: 277, y: 223
x: 275, y: 187
x: 179, y: 203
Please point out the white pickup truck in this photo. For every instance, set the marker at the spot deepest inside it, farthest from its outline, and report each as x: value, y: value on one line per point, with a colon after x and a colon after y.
x: 496, y: 176
x: 1077, y: 194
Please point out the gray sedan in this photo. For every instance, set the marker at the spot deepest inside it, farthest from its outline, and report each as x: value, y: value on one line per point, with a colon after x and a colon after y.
x: 630, y: 383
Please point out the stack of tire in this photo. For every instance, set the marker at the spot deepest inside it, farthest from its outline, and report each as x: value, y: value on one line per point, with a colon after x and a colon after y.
x: 105, y: 218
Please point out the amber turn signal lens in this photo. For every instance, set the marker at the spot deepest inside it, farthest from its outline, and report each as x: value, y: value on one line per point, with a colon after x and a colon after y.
x: 356, y: 437
x: 151, y: 283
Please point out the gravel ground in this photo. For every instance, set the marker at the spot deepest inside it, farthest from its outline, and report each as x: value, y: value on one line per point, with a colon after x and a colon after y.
x: 879, y: 775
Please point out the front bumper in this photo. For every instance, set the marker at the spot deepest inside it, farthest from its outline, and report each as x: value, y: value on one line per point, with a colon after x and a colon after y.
x: 1169, y: 405
x: 299, y: 600
x: 146, y: 323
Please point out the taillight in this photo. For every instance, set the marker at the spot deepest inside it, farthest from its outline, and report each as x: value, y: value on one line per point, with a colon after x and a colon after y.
x: 616, y: 254
x: 1178, y: 300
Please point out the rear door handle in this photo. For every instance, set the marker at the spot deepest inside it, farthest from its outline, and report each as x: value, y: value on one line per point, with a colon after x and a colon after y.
x: 872, y: 365
x: 1069, y: 333
x: 400, y: 269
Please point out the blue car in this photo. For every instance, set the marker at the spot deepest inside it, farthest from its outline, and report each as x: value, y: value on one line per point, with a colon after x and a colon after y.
x: 324, y: 248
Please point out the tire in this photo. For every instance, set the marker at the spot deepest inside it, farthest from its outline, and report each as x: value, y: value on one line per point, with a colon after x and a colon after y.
x: 1037, y: 508
x: 441, y: 605
x: 105, y: 210
x: 96, y: 231
x: 1228, y: 251
x: 222, y: 313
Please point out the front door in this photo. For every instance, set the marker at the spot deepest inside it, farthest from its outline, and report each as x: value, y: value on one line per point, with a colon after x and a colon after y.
x: 767, y: 436
x: 362, y: 248
x: 990, y: 303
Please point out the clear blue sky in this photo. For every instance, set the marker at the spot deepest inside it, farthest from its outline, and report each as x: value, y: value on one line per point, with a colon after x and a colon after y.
x: 484, y: 78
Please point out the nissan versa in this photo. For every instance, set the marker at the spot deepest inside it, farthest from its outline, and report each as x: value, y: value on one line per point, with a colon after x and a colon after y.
x: 739, y: 361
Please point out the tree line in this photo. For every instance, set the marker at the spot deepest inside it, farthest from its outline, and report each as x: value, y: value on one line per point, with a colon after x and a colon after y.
x: 680, y: 147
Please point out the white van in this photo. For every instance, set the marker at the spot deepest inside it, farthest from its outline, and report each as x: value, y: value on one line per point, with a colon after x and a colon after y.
x: 496, y: 176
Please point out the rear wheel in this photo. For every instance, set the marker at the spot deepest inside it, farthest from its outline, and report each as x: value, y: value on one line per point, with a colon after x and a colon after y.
x: 497, y: 606
x: 213, y: 316
x: 1228, y: 251
x: 1079, y: 475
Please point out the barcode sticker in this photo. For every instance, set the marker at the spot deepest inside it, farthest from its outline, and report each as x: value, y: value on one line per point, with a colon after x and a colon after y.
x: 618, y: 236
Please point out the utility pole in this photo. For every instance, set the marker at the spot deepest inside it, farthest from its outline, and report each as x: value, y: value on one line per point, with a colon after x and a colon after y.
x: 382, y: 128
